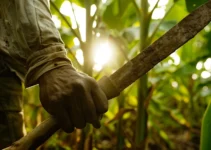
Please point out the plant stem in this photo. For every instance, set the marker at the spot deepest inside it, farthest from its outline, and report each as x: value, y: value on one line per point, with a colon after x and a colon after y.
x: 141, y: 124
x: 67, y: 22
x: 78, y: 27
x: 205, y: 143
x: 87, y: 47
x: 86, y: 138
x: 120, y: 137
x: 137, y: 8
x: 158, y: 25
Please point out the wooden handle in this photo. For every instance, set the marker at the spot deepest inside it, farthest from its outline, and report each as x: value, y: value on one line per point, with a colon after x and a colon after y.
x: 48, y: 127
x: 37, y: 136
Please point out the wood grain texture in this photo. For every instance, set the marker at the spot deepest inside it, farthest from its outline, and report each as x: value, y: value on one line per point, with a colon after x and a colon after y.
x: 163, y: 47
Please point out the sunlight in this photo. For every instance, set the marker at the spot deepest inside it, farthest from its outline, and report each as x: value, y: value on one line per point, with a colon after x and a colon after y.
x: 102, y: 51
x: 97, y: 34
x: 207, y: 28
x: 205, y: 74
x: 104, y: 1
x: 194, y: 76
x: 176, y: 58
x: 161, y: 3
x: 159, y: 12
x: 102, y: 55
x: 76, y: 41
x: 56, y: 21
x: 93, y: 9
x: 79, y: 56
x: 80, y: 14
x: 66, y: 9
x: 170, y: 62
x: 199, y: 65
x: 207, y: 64
x: 94, y: 25
x: 174, y: 84
x: 97, y: 67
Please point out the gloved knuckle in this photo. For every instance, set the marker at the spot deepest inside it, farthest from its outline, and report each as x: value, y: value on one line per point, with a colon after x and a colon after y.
x: 96, y: 124
x: 81, y: 126
x: 68, y: 129
x: 93, y: 82
x: 89, y: 118
x: 79, y: 84
x: 54, y: 99
x: 86, y: 110
x: 104, y: 108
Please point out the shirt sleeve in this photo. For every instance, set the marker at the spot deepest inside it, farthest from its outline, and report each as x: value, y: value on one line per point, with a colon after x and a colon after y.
x: 35, y: 37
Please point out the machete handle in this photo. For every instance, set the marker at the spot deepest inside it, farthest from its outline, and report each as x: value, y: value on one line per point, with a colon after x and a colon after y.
x: 37, y: 136
x: 48, y: 127
x: 127, y: 74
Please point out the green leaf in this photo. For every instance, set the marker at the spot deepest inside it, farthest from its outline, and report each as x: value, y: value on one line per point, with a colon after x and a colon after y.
x: 206, y: 132
x: 82, y: 3
x: 118, y: 14
x: 167, y: 25
x: 187, y: 69
x: 174, y: 15
x: 58, y: 3
x: 193, y: 4
x: 131, y: 33
x: 208, y: 37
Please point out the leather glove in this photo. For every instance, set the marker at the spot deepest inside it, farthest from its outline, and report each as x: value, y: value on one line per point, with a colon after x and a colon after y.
x: 73, y: 98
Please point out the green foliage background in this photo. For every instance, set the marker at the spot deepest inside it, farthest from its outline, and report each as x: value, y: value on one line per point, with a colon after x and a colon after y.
x: 176, y: 94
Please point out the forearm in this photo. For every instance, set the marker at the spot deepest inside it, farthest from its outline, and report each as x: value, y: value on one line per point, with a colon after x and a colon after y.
x: 34, y: 37
x: 43, y: 61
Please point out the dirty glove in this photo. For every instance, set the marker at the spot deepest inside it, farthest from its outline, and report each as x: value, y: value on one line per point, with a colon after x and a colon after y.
x: 72, y: 97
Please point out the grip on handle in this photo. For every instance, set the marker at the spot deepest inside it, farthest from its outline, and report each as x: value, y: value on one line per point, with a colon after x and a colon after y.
x: 108, y: 87
x: 48, y: 127
x: 37, y: 136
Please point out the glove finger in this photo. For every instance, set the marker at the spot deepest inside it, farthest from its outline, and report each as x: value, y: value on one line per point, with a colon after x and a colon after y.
x: 63, y: 119
x: 100, y: 100
x: 75, y: 112
x: 89, y: 110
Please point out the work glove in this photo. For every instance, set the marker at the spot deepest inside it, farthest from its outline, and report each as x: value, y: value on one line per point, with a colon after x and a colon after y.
x: 72, y: 97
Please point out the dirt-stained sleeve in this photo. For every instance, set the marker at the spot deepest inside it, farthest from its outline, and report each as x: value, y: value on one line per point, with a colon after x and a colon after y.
x: 34, y: 37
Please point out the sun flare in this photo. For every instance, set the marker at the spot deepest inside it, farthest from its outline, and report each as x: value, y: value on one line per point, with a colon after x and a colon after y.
x: 102, y: 53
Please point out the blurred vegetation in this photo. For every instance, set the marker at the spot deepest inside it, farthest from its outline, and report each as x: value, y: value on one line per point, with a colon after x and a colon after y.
x: 162, y: 111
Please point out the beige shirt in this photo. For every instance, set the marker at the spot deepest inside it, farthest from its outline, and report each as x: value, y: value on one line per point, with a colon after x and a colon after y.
x: 30, y: 39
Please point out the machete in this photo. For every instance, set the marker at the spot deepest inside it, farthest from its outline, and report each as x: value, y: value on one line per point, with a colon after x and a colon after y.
x: 131, y: 71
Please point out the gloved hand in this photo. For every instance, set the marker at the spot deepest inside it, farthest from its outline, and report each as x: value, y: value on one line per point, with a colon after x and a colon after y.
x: 72, y: 97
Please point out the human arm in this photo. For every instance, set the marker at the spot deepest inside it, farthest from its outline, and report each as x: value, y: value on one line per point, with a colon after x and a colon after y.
x: 73, y: 98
